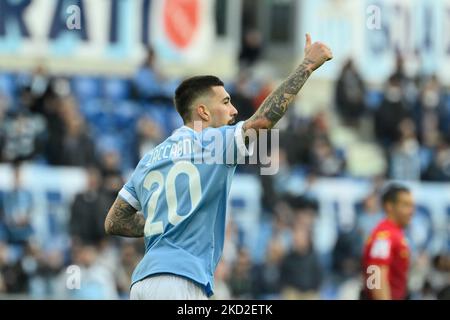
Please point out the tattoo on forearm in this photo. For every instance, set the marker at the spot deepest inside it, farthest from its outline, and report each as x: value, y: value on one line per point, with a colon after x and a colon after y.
x: 276, y: 104
x: 123, y: 220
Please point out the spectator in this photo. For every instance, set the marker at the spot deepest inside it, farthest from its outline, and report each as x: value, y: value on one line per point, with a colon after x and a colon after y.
x: 439, y: 276
x: 129, y: 258
x: 439, y: 168
x: 149, y: 84
x: 324, y: 158
x: 405, y: 154
x: 112, y: 183
x: 430, y: 115
x: 221, y: 278
x: 17, y: 209
x: 350, y: 94
x: 370, y: 215
x: 74, y: 147
x: 22, y: 135
x: 95, y: 280
x: 252, y: 47
x: 86, y: 219
x: 41, y: 268
x: 241, y: 96
x: 110, y: 163
x: 240, y: 279
x: 300, y: 269
x: 391, y: 112
x: 149, y: 135
x: 346, y: 254
x: 267, y: 276
x: 13, y: 279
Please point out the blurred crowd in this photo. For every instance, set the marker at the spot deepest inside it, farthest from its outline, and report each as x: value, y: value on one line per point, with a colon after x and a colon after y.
x: 105, y: 124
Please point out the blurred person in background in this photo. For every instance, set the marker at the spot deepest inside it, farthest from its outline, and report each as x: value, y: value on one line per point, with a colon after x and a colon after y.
x: 240, y: 280
x: 391, y: 112
x: 42, y: 268
x: 110, y: 163
x: 404, y: 158
x: 13, y: 279
x: 86, y: 219
x: 222, y: 276
x: 430, y: 114
x: 73, y: 146
x: 266, y: 277
x: 369, y: 216
x: 251, y: 49
x: 3, y: 263
x: 325, y: 160
x: 386, y: 256
x: 149, y: 135
x: 97, y: 282
x: 150, y: 84
x: 346, y: 254
x: 439, y: 167
x: 439, y: 276
x: 129, y: 258
x: 350, y: 94
x: 242, y: 96
x: 3, y: 107
x: 23, y: 132
x: 279, y: 226
x: 112, y: 182
x: 301, y: 272
x: 17, y: 206
x: 38, y: 86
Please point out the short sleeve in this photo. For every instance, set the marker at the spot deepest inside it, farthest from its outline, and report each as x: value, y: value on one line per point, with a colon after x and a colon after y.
x: 235, y: 148
x: 380, y: 252
x: 128, y: 193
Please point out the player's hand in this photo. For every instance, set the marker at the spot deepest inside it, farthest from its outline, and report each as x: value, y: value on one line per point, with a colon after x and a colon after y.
x: 316, y: 53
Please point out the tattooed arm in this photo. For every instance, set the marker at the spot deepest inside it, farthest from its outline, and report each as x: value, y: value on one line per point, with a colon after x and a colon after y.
x: 276, y: 104
x: 124, y: 220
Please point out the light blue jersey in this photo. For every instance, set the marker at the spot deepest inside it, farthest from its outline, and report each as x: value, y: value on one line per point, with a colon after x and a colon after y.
x: 181, y: 187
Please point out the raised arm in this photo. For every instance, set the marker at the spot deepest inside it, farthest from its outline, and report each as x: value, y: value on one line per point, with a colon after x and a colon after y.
x: 276, y: 104
x: 124, y: 220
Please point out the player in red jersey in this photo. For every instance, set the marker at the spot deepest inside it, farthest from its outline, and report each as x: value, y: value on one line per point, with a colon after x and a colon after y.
x: 386, y: 253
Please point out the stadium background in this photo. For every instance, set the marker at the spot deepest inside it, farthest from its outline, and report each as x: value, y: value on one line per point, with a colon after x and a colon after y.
x: 79, y: 106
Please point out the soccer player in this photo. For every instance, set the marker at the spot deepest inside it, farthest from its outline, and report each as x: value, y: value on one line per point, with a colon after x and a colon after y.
x: 386, y: 253
x: 181, y: 186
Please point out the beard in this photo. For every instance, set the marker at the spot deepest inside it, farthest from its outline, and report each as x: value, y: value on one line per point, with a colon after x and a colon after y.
x: 232, y: 121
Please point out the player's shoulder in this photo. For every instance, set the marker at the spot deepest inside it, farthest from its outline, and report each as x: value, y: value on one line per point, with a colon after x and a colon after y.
x: 223, y: 129
x: 386, y: 231
x: 382, y: 231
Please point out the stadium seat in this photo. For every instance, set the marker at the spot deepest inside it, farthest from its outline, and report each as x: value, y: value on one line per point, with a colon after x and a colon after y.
x: 85, y: 87
x: 8, y: 85
x: 116, y: 88
x: 373, y: 99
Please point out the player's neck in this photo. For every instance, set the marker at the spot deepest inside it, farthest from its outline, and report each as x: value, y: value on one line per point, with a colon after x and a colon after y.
x: 394, y: 221
x: 196, y: 125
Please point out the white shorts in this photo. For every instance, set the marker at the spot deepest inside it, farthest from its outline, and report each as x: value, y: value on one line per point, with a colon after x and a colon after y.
x: 166, y: 287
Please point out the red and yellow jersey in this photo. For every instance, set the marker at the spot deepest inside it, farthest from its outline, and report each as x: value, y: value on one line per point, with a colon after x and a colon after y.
x: 387, y: 246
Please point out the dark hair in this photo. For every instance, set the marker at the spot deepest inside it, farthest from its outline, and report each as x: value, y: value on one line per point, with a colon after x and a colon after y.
x: 190, y: 89
x: 391, y: 191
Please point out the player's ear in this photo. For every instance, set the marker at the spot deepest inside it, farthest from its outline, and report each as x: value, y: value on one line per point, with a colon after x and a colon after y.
x: 203, y: 112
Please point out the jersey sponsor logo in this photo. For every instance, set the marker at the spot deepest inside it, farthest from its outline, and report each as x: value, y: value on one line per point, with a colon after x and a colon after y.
x: 382, y: 235
x: 380, y: 249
